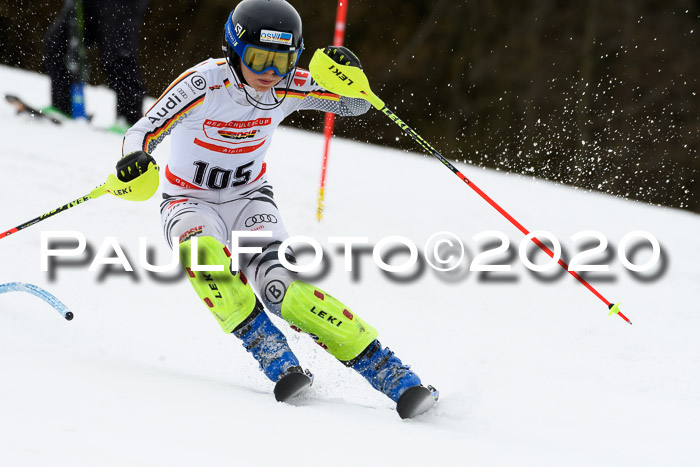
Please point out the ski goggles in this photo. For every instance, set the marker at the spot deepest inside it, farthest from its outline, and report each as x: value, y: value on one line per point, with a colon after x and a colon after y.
x: 259, y: 60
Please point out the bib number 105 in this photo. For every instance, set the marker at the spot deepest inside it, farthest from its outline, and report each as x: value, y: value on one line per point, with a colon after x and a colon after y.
x: 217, y: 178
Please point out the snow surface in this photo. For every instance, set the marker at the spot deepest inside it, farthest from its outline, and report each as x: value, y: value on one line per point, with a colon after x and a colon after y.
x: 531, y: 373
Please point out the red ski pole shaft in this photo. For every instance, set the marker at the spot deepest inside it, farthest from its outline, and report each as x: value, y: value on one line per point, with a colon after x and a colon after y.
x: 351, y: 81
x: 434, y: 152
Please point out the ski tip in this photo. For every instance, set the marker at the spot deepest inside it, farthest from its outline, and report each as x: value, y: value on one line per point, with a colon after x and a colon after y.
x: 416, y: 401
x: 292, y: 384
x: 69, y: 316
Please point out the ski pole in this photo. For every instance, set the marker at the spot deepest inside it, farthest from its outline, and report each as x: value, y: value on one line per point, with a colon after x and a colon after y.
x: 351, y: 82
x: 65, y: 207
x: 138, y: 189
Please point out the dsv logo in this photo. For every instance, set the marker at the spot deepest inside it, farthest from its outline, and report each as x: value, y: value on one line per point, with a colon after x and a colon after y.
x: 259, y: 219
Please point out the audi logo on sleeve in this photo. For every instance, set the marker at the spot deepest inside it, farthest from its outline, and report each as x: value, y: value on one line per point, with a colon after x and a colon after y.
x: 259, y: 219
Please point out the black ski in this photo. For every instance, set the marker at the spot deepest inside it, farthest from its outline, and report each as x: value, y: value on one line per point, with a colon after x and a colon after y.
x: 23, y: 107
x: 417, y: 400
x: 291, y: 384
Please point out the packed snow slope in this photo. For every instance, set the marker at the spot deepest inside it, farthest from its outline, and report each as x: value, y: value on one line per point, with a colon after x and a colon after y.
x: 531, y: 372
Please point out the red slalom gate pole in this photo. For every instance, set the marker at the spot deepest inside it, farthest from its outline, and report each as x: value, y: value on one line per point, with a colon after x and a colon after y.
x: 354, y: 83
x: 340, y: 20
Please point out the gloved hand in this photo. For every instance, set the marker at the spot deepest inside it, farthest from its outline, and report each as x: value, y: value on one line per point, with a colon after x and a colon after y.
x: 342, y: 56
x: 132, y: 165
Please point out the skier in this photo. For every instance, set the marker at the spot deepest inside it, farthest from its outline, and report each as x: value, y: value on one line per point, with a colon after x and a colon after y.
x: 114, y: 26
x: 221, y: 115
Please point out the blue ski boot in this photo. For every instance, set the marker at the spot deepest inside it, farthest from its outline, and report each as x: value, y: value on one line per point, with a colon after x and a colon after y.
x: 384, y: 371
x: 270, y: 348
x: 387, y: 374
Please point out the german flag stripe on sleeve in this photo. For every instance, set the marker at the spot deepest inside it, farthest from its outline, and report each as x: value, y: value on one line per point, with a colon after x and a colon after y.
x: 301, y: 94
x: 168, y: 124
x: 175, y: 83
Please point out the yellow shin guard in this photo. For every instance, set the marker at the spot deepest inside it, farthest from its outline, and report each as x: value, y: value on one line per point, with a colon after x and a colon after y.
x: 342, y: 333
x: 228, y: 297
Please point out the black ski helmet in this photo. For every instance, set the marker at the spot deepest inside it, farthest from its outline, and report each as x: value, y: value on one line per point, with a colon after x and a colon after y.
x: 272, y: 25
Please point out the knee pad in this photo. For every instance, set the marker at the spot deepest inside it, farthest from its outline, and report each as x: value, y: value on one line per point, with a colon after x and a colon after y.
x: 228, y: 297
x: 344, y: 334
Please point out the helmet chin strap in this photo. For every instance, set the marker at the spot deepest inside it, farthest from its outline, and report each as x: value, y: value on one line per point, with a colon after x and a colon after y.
x: 240, y: 81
